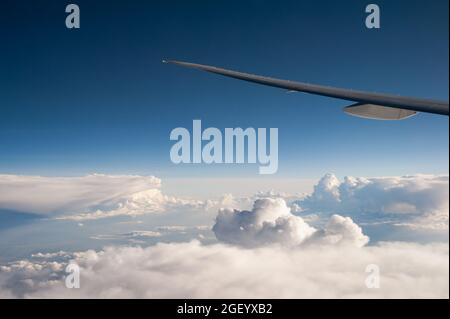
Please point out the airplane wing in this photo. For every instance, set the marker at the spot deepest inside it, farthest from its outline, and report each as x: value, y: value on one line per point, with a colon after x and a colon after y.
x: 368, y: 105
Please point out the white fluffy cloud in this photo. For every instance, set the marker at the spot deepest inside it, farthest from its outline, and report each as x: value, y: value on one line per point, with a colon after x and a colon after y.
x: 289, y: 259
x: 420, y: 201
x: 136, y: 204
x: 193, y: 270
x: 339, y: 230
x: 99, y: 196
x: 271, y: 222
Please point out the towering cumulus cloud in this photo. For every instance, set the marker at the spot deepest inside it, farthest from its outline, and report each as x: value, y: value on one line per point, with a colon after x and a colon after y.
x: 271, y: 222
x: 421, y: 201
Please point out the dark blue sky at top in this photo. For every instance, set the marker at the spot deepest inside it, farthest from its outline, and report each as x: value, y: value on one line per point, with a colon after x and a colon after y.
x: 98, y: 99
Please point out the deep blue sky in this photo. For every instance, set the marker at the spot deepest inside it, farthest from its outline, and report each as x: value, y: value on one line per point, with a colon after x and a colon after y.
x: 98, y: 99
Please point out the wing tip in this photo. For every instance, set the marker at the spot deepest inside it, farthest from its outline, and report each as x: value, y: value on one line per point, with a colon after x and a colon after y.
x: 169, y: 61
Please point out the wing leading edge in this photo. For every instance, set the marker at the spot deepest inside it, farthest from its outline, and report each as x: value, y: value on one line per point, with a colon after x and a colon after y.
x: 369, y: 105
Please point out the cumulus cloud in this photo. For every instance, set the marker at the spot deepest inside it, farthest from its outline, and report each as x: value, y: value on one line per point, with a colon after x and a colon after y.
x: 60, y: 253
x: 297, y: 252
x: 340, y: 231
x: 271, y: 222
x: 193, y: 270
x: 136, y: 204
x: 100, y: 196
x: 289, y: 259
x: 420, y: 201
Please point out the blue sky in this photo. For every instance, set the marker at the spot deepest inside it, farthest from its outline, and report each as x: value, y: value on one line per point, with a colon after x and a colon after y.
x: 98, y: 99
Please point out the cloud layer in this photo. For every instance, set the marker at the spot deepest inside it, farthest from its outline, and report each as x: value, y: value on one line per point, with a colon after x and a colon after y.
x: 416, y: 202
x: 305, y: 248
x: 89, y: 197
x: 193, y: 270
x: 56, y: 195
